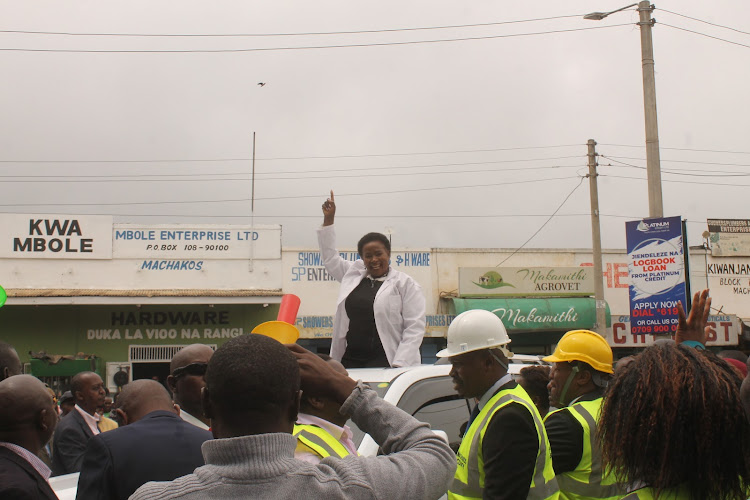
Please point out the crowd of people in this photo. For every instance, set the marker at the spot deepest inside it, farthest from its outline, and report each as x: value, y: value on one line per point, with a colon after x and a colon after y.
x: 259, y: 419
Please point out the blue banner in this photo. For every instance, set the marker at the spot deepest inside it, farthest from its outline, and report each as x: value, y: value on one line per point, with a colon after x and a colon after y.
x: 656, y: 268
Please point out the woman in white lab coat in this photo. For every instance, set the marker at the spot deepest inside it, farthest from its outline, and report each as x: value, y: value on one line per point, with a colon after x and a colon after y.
x: 380, y: 312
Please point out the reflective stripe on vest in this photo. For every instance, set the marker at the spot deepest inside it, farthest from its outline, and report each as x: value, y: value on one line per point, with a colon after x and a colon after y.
x: 320, y: 441
x: 588, y: 481
x: 543, y: 484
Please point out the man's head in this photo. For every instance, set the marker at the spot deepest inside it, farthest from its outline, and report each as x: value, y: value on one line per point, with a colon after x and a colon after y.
x: 28, y: 414
x: 186, y: 379
x: 139, y: 398
x: 476, y: 348
x: 582, y: 362
x: 67, y: 403
x: 10, y: 363
x: 88, y: 391
x: 252, y: 387
x: 534, y: 380
x: 323, y: 407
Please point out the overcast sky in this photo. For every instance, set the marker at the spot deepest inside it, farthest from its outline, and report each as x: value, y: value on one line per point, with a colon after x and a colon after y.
x: 424, y: 140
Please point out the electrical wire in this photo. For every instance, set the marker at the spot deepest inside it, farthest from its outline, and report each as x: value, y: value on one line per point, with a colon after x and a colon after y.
x: 704, y: 34
x: 679, y: 149
x: 305, y: 157
x: 679, y: 172
x: 702, y: 183
x: 311, y: 33
x: 368, y: 216
x: 294, y: 197
x: 544, y: 224
x: 687, y: 161
x: 248, y: 177
x: 310, y: 47
x: 705, y: 22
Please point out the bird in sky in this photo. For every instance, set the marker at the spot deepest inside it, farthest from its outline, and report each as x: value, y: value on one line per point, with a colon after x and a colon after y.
x: 261, y: 83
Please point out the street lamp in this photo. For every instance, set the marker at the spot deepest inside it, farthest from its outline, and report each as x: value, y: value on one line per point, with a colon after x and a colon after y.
x: 653, y: 163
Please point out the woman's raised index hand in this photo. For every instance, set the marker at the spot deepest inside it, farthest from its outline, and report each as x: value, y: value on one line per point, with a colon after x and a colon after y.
x: 329, y: 210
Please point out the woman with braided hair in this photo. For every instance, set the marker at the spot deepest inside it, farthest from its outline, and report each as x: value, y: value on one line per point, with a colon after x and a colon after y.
x: 673, y: 426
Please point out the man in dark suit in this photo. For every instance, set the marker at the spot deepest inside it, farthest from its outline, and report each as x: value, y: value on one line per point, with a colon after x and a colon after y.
x: 152, y: 444
x: 78, y: 426
x: 27, y: 419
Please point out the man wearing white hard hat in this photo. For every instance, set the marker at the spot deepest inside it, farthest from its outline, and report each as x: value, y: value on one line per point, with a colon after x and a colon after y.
x: 504, y: 453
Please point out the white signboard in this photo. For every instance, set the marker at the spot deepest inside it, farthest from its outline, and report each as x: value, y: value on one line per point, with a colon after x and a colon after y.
x: 55, y: 236
x: 525, y: 281
x: 729, y: 237
x: 191, y: 242
x: 727, y: 327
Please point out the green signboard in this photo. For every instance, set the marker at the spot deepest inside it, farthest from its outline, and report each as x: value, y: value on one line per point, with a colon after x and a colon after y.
x: 537, y: 314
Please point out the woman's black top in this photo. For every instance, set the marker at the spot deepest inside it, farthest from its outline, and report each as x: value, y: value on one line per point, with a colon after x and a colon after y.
x: 363, y: 346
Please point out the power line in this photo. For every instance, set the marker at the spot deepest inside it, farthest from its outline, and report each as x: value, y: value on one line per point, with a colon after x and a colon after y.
x: 706, y: 35
x: 368, y: 216
x: 686, y: 161
x: 356, y: 32
x: 679, y: 172
x: 312, y: 47
x: 544, y: 224
x: 680, y: 149
x: 702, y: 183
x: 248, y: 177
x: 295, y: 197
x: 705, y: 22
x: 303, y: 157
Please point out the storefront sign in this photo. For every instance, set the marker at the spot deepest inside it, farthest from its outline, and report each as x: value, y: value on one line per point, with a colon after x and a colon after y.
x: 727, y: 329
x: 525, y: 281
x: 559, y: 314
x: 200, y: 242
x: 55, y: 236
x: 656, y: 270
x: 729, y: 237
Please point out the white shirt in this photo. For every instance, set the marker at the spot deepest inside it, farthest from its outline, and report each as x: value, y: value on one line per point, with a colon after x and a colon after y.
x: 35, y: 461
x: 192, y: 420
x: 91, y: 420
x: 492, y: 390
x: 342, y: 434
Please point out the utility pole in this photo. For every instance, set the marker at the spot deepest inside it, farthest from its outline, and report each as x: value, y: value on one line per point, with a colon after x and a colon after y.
x: 653, y: 162
x: 596, y: 243
x: 252, y: 193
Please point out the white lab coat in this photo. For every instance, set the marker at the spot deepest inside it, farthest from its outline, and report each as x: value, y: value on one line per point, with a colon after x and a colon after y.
x: 399, y: 305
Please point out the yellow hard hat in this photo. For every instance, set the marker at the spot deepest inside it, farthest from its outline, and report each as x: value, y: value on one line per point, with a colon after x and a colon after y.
x: 278, y: 330
x: 586, y: 346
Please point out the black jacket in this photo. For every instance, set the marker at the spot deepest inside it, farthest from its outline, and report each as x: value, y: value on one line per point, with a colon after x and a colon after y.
x: 159, y: 447
x: 509, y: 448
x: 20, y: 481
x: 69, y: 443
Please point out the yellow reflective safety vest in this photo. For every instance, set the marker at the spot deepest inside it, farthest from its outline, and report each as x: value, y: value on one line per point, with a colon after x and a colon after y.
x: 319, y: 441
x: 469, y: 479
x: 588, y: 481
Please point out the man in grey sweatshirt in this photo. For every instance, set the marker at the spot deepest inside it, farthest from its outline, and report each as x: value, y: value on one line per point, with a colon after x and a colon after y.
x: 252, y: 397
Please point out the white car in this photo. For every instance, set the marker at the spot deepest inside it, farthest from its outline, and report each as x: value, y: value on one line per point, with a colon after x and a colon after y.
x: 425, y: 392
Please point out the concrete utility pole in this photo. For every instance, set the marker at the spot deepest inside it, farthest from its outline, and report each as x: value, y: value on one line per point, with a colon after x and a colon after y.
x: 653, y: 162
x: 596, y: 243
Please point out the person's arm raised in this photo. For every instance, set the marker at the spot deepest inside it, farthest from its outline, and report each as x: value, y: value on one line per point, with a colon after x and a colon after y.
x: 693, y: 328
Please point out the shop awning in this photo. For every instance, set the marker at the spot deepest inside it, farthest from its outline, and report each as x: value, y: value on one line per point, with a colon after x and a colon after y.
x: 26, y: 296
x: 538, y: 314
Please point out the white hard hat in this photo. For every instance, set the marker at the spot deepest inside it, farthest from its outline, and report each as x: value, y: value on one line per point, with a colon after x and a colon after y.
x: 474, y: 330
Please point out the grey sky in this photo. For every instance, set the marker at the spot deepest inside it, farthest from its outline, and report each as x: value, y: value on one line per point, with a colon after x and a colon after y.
x: 490, y: 94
